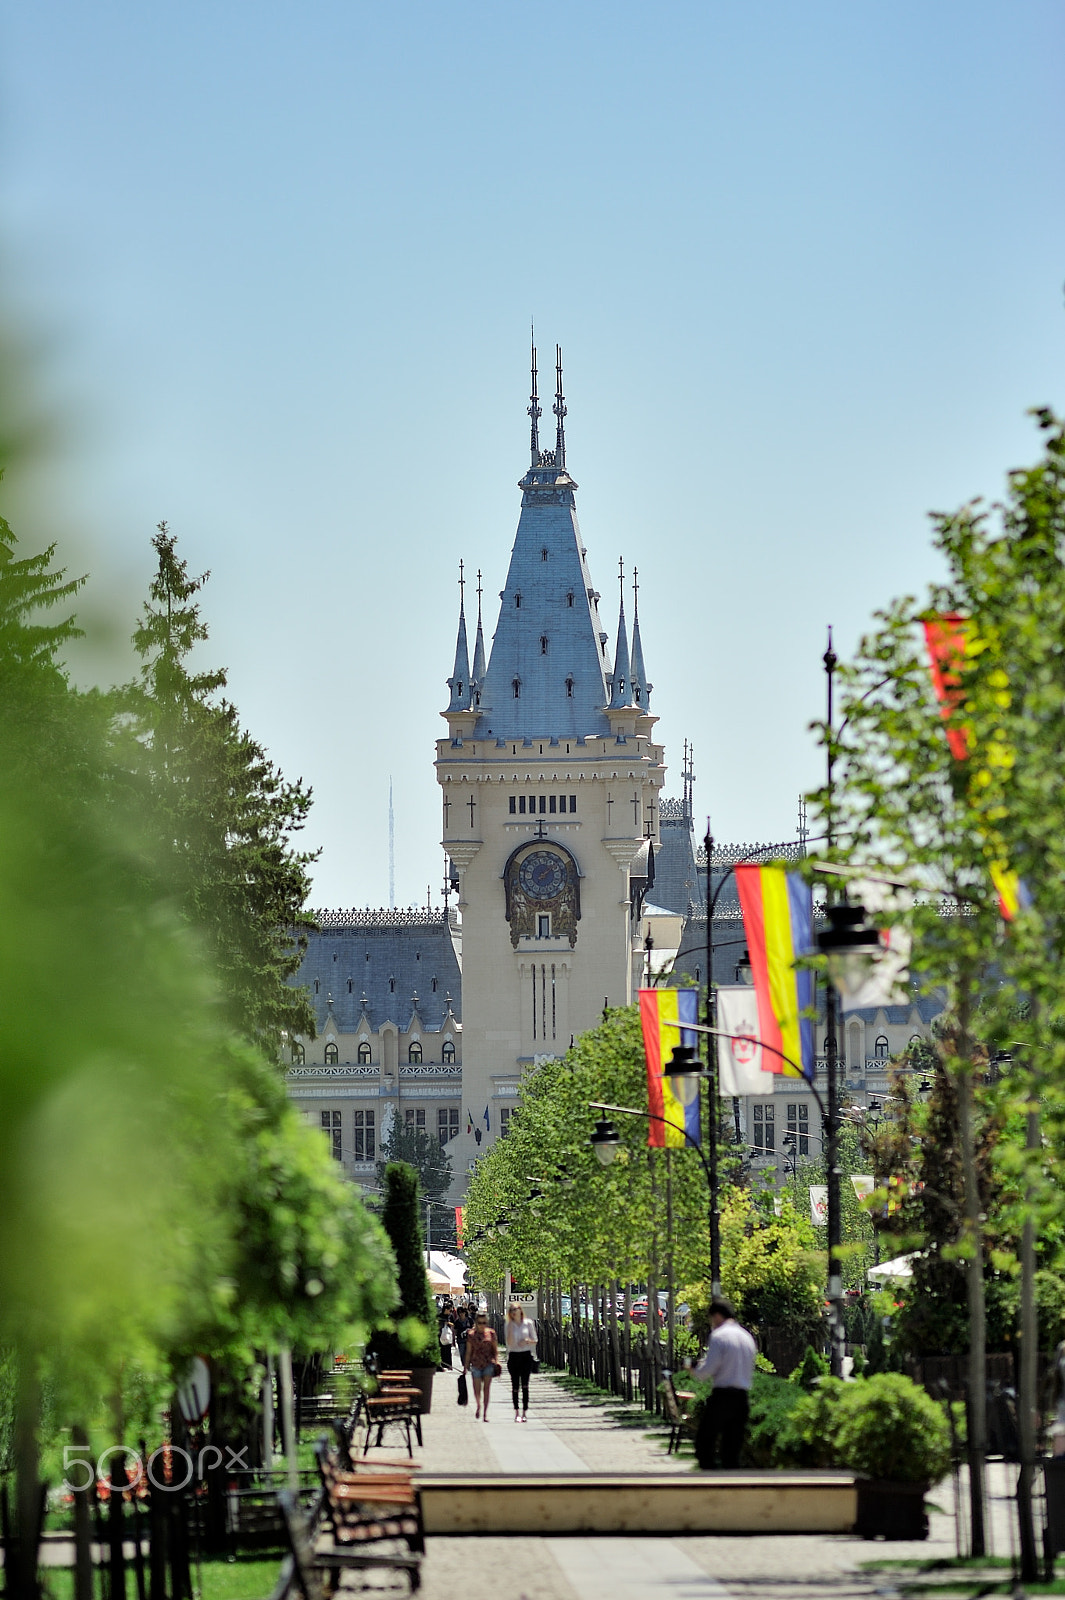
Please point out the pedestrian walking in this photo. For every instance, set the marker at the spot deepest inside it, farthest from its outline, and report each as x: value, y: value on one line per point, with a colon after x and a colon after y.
x: 482, y: 1362
x: 447, y: 1338
x: 729, y: 1362
x: 520, y: 1333
x: 463, y: 1322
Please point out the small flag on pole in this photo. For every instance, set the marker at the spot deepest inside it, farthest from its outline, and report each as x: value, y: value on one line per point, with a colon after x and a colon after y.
x: 679, y: 1124
x: 778, y: 923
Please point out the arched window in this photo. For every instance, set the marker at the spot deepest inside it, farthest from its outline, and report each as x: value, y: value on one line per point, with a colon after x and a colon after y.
x: 350, y: 985
x: 569, y: 598
x: 391, y: 985
x: 516, y: 686
x: 569, y: 688
x: 915, y: 1038
x: 880, y: 1048
x: 317, y: 986
x: 414, y: 1053
x: 332, y: 1055
x: 448, y: 1053
x: 517, y: 602
x: 299, y: 1054
x: 543, y: 644
x: 543, y: 554
x: 434, y: 985
x: 364, y: 1052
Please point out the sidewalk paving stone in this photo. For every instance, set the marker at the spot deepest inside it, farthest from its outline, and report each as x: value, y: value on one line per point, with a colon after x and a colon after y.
x: 568, y: 1432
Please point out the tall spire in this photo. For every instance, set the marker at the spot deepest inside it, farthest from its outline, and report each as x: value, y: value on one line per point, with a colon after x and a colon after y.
x: 534, y: 407
x: 477, y: 670
x: 621, y: 683
x: 459, y: 682
x: 641, y: 689
x: 559, y: 409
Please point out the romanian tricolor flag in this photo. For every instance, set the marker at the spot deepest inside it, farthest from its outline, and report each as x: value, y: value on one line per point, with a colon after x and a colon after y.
x: 778, y: 923
x: 951, y: 640
x: 660, y: 1012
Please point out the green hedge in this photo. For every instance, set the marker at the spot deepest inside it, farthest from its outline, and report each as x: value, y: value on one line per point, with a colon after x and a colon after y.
x: 882, y: 1427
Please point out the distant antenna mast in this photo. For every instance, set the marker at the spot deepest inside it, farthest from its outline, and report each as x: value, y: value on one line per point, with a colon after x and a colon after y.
x: 391, y: 851
x: 688, y: 779
x: 804, y: 827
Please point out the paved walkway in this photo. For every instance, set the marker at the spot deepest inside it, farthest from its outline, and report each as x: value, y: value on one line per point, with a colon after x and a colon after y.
x: 565, y: 1433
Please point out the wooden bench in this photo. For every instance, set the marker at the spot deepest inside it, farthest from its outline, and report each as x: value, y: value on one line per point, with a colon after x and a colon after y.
x: 318, y: 1572
x: 377, y: 1500
x: 681, y: 1426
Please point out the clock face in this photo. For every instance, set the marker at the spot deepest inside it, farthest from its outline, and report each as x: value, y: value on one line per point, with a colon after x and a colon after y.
x: 542, y: 875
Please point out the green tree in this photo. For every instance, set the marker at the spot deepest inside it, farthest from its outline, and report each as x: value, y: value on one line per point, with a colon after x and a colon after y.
x: 958, y: 818
x: 406, y: 1341
x: 421, y: 1151
x: 222, y: 813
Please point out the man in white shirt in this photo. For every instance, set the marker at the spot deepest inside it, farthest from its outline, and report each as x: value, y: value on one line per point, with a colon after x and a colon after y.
x: 729, y: 1362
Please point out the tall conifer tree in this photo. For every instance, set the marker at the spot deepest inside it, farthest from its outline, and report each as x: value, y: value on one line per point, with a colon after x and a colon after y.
x: 224, y: 814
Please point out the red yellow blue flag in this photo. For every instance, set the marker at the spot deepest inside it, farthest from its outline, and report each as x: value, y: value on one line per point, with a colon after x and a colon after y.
x: 659, y: 1008
x: 778, y: 923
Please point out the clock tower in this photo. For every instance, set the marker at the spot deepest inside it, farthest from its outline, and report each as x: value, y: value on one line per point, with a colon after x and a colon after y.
x: 550, y: 778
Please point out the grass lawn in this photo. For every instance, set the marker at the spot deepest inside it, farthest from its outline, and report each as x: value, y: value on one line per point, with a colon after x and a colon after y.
x: 958, y: 1578
x: 246, y: 1579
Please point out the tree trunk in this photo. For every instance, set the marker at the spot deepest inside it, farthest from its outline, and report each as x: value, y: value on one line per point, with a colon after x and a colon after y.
x: 977, y: 1373
x: 1027, y: 1399
x: 28, y: 1493
x: 671, y: 1287
x: 615, y: 1343
x: 82, y: 1524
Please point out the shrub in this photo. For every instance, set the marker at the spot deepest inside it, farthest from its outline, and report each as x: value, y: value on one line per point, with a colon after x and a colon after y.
x: 887, y: 1427
x: 810, y: 1436
x: 769, y: 1441
x: 811, y: 1369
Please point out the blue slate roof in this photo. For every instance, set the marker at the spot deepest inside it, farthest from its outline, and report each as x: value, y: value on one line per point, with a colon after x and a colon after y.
x: 388, y: 956
x: 547, y: 668
x: 678, y: 882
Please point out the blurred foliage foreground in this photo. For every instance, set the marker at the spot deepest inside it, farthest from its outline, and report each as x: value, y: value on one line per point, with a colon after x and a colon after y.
x: 158, y: 1194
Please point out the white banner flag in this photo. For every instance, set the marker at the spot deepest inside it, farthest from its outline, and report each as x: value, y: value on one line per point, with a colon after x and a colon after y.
x: 739, y: 1057
x: 864, y: 1184
x: 886, y: 984
x: 818, y: 1205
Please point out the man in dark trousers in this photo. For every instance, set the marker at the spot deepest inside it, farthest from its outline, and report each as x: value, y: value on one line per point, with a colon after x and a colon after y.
x: 729, y: 1362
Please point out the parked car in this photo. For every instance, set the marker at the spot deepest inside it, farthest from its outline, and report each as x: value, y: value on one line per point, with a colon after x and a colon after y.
x: 639, y: 1308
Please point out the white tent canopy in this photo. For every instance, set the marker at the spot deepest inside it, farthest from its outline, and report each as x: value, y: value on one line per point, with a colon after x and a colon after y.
x: 900, y: 1267
x: 447, y: 1274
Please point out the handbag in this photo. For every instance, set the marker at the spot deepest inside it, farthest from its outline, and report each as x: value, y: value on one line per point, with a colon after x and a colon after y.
x: 464, y: 1390
x: 447, y: 1337
x: 497, y: 1370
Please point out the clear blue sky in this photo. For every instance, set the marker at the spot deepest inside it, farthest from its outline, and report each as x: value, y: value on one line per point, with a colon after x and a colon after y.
x: 278, y: 260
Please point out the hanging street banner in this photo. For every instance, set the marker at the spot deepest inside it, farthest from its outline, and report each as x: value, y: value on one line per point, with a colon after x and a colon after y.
x: 658, y: 1009
x: 889, y: 970
x: 741, y: 1067
x: 819, y: 1204
x: 778, y: 923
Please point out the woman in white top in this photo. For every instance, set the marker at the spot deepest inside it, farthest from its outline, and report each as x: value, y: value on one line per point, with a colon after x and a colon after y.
x: 521, y: 1350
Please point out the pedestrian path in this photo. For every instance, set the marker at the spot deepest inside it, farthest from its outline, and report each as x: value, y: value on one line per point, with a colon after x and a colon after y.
x: 571, y: 1434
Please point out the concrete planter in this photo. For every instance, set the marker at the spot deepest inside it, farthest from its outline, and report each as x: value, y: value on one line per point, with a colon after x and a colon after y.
x: 889, y: 1510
